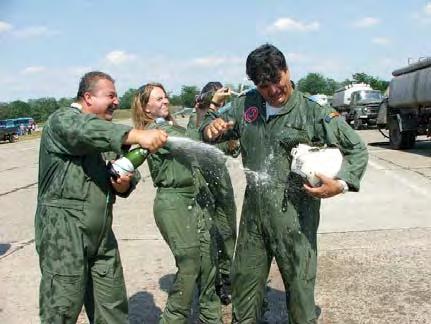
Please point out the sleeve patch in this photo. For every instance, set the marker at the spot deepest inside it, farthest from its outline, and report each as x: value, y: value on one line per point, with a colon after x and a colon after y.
x: 331, y: 115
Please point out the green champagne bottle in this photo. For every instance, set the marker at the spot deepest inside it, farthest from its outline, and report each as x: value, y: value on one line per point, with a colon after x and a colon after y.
x: 128, y: 163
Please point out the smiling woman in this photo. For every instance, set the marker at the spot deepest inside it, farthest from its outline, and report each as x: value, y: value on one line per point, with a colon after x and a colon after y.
x: 182, y: 210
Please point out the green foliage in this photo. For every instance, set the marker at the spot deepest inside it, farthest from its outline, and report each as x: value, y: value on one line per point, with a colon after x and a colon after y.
x: 18, y: 108
x: 43, y: 107
x: 65, y: 102
x: 175, y: 100
x: 126, y: 99
x: 375, y: 83
x: 315, y: 83
x: 312, y: 83
x: 188, y: 95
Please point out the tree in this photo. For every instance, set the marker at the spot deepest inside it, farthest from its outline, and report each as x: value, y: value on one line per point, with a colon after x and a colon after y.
x: 188, y: 95
x: 126, y: 99
x: 374, y: 82
x: 175, y: 100
x: 19, y: 108
x: 43, y: 107
x: 315, y: 83
x: 65, y: 102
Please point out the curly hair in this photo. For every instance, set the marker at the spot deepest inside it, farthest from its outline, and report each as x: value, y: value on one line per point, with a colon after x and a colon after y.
x: 141, y: 119
x: 264, y: 64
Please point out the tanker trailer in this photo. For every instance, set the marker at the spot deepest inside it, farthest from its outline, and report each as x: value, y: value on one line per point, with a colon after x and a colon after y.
x: 406, y: 112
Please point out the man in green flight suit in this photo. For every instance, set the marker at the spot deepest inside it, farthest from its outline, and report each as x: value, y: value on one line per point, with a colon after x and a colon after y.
x: 78, y: 252
x: 280, y: 213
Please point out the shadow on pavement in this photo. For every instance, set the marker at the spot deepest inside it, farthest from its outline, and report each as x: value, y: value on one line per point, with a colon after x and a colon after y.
x: 4, y: 247
x: 142, y: 309
x: 165, y: 284
x: 275, y: 310
x: 422, y: 147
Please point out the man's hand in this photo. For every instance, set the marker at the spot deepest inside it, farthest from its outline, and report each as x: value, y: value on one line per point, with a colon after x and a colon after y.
x: 216, y: 128
x: 151, y: 139
x: 329, y: 187
x: 221, y: 95
x: 122, y: 183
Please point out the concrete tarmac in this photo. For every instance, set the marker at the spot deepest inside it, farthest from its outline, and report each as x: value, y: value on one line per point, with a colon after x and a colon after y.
x: 374, y: 246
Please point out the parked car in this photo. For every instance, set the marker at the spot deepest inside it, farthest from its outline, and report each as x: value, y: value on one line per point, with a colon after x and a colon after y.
x: 8, y: 130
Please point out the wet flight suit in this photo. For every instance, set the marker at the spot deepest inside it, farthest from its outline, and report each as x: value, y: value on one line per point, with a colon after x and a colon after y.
x: 279, y: 219
x: 78, y: 252
x: 182, y: 210
x: 220, y: 184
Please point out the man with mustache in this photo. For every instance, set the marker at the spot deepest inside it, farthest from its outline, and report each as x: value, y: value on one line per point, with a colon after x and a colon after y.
x: 78, y: 252
x: 280, y: 213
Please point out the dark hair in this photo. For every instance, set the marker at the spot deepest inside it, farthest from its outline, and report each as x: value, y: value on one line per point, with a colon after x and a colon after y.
x: 264, y: 64
x: 203, y: 99
x: 89, y: 80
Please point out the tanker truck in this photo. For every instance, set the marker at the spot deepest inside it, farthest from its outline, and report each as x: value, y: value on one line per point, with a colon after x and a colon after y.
x: 358, y: 103
x: 406, y: 112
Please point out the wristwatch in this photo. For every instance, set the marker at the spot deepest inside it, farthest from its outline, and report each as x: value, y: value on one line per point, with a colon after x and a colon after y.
x: 344, y: 186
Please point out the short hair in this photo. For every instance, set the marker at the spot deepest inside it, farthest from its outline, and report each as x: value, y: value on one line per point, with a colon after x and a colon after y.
x: 203, y: 99
x: 264, y: 64
x: 89, y: 80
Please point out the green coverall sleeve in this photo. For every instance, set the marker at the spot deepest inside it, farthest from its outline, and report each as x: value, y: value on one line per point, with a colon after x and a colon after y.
x: 354, y: 150
x: 234, y: 114
x: 79, y: 134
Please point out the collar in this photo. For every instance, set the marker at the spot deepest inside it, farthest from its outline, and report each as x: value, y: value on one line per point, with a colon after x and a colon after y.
x: 76, y: 105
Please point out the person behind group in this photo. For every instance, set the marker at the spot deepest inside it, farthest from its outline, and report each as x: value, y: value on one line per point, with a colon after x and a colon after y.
x: 220, y: 184
x: 78, y: 252
x: 280, y: 213
x: 182, y: 211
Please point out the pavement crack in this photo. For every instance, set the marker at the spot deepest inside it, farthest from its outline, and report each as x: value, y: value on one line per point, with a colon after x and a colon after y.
x: 377, y: 230
x: 17, y: 247
x: 415, y: 170
x: 17, y: 189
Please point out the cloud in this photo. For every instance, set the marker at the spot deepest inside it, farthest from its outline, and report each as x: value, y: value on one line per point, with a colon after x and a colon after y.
x: 289, y: 24
x: 381, y: 40
x: 119, y: 57
x: 427, y: 9
x: 366, y: 22
x: 33, y: 70
x: 35, y: 31
x: 5, y: 27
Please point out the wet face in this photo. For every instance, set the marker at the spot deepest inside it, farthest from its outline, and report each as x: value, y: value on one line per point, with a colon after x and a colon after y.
x: 102, y: 100
x: 158, y: 104
x: 277, y: 94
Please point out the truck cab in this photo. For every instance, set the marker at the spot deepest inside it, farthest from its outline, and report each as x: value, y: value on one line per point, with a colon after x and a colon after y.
x: 364, y: 107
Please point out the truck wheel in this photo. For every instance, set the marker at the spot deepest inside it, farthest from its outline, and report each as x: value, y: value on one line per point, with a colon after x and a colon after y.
x: 13, y: 138
x: 357, y: 123
x: 400, y: 140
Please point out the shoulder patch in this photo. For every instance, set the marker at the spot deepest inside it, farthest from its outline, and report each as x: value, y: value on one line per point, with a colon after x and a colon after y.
x: 331, y: 115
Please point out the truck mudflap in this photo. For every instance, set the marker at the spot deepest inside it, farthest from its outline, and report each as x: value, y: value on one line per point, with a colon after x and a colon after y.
x: 402, y: 131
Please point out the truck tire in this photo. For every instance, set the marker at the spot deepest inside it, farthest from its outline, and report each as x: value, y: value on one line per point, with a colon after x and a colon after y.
x: 400, y: 140
x: 13, y: 138
x: 357, y: 122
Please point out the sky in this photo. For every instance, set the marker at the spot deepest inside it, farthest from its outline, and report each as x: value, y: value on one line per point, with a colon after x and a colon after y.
x: 46, y: 46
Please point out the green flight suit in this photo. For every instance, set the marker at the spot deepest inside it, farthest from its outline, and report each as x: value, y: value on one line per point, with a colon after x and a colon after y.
x: 220, y: 185
x: 78, y: 252
x: 279, y: 219
x: 182, y: 210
